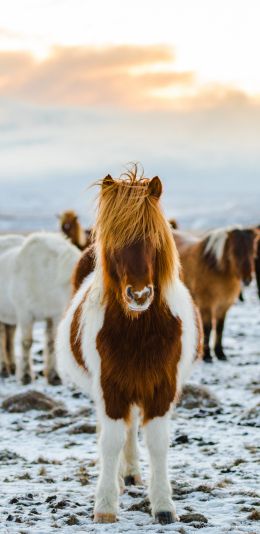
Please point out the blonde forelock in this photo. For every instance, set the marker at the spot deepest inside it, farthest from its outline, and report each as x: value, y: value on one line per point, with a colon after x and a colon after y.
x: 127, y: 213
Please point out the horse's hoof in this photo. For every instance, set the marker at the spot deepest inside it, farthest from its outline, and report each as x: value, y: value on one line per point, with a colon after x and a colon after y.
x: 53, y: 379
x: 221, y: 356
x: 104, y: 518
x: 26, y: 379
x: 165, y: 518
x: 129, y: 480
x: 13, y: 369
x: 4, y: 373
x: 133, y: 480
x: 208, y: 358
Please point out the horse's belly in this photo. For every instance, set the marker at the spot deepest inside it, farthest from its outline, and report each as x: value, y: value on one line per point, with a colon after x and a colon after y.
x: 7, y: 310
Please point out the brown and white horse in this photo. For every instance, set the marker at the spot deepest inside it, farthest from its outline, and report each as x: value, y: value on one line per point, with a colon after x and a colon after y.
x: 214, y: 267
x: 129, y: 338
x: 71, y: 227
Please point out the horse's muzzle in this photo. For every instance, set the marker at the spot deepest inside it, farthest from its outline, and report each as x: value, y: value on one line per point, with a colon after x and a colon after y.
x: 139, y: 300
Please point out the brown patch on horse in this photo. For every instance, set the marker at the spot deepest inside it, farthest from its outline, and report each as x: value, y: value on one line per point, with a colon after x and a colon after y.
x: 84, y: 267
x: 75, y: 335
x: 139, y: 360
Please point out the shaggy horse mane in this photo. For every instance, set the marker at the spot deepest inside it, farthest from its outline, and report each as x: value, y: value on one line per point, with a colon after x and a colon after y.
x: 129, y: 212
x: 214, y: 245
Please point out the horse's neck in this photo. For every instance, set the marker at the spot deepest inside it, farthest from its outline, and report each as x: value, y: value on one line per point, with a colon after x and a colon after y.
x: 152, y: 322
x: 221, y: 266
x: 81, y: 236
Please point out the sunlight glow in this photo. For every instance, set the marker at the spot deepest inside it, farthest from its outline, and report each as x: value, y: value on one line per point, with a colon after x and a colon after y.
x: 217, y: 40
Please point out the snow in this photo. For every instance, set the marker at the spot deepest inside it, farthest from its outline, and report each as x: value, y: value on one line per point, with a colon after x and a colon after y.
x: 213, y: 456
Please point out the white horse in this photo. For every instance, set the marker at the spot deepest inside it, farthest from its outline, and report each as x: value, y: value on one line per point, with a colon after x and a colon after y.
x: 7, y: 332
x: 35, y: 285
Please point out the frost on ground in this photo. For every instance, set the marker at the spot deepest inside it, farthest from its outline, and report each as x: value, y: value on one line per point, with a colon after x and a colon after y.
x: 48, y: 455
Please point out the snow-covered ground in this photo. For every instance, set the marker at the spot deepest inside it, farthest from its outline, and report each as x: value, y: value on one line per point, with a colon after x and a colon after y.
x: 48, y: 467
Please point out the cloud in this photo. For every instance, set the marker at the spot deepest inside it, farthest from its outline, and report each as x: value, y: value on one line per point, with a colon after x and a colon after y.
x: 82, y: 76
x: 135, y: 77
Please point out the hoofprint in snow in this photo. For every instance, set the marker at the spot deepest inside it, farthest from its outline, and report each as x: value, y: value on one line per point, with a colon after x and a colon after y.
x: 49, y: 462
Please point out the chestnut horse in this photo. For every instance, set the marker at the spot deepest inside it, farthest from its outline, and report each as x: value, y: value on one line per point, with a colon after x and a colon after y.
x: 129, y: 338
x: 214, y: 266
x: 71, y: 227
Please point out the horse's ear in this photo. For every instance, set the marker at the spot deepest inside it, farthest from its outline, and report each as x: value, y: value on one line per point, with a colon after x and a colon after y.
x: 58, y: 216
x: 107, y: 181
x: 155, y: 187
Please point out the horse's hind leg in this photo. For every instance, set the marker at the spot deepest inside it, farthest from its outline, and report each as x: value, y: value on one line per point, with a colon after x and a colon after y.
x: 111, y: 441
x: 10, y: 333
x: 207, y: 327
x: 157, y: 438
x: 257, y: 268
x: 25, y: 371
x: 130, y: 469
x: 218, y: 342
x: 4, y: 364
x: 50, y: 357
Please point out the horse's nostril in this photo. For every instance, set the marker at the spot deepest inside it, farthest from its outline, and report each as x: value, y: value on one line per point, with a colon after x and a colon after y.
x: 247, y: 281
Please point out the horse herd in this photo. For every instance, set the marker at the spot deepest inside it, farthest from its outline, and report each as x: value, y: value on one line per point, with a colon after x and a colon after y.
x: 143, y: 294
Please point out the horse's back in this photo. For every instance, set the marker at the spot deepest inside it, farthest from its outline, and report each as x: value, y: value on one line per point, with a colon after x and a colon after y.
x: 42, y: 274
x: 9, y: 241
x: 184, y: 240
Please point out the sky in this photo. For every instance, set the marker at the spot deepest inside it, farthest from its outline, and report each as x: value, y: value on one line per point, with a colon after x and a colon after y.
x: 88, y: 86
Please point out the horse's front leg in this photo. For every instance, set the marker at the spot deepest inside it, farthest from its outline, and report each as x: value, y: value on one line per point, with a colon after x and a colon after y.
x: 218, y: 341
x: 111, y: 442
x: 157, y: 438
x: 50, y: 356
x: 4, y: 367
x: 207, y: 327
x: 10, y: 334
x: 25, y: 372
x: 130, y: 468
